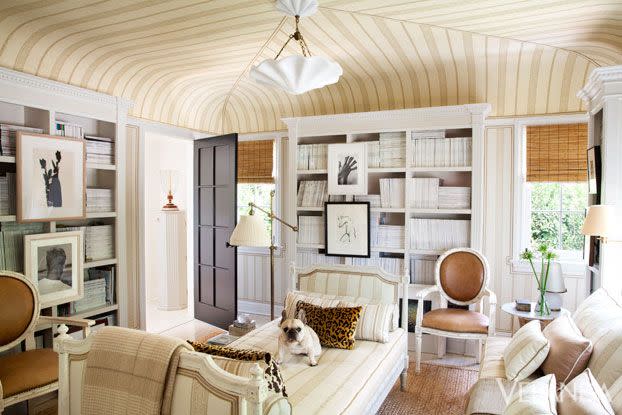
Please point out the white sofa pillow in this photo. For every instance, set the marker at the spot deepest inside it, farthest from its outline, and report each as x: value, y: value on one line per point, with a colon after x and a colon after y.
x: 536, y: 397
x: 526, y: 352
x: 374, y: 323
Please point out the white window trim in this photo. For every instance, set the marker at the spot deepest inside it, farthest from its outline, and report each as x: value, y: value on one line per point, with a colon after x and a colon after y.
x: 278, y: 187
x: 521, y: 225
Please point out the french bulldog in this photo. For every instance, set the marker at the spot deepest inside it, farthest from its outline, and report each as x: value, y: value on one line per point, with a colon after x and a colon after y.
x: 298, y: 338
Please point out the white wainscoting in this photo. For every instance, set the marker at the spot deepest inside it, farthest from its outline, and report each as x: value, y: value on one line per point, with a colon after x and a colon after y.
x: 254, y: 280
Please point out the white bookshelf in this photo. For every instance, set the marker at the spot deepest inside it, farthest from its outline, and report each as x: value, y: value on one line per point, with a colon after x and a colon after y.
x: 454, y: 121
x: 33, y: 102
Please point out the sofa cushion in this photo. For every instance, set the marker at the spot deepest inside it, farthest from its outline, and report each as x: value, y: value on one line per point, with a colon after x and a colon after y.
x: 569, y: 352
x: 374, y: 323
x: 526, y: 351
x: 492, y: 365
x: 28, y: 370
x: 456, y: 320
x: 583, y: 396
x: 335, y: 326
x: 615, y: 395
x: 292, y: 299
x: 536, y: 397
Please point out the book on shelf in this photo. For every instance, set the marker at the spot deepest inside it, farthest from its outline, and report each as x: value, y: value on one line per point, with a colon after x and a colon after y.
x: 8, y: 194
x: 374, y: 200
x: 310, y: 229
x: 107, y: 273
x: 423, y: 192
x: 422, y: 271
x: 98, y: 240
x: 312, y: 193
x: 373, y: 154
x: 8, y: 137
x: 308, y: 257
x: 68, y: 129
x: 99, y: 150
x: 433, y: 149
x: 12, y: 243
x: 392, y: 148
x: 454, y: 197
x: 392, y: 193
x: 99, y: 200
x: 439, y: 234
x: 385, y: 236
x: 391, y: 265
x: 94, y: 296
x: 312, y: 156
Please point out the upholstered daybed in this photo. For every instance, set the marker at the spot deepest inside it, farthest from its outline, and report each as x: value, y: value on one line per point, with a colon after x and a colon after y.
x: 344, y: 382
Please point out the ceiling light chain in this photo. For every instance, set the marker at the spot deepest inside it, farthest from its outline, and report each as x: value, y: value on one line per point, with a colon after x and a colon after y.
x: 299, y: 38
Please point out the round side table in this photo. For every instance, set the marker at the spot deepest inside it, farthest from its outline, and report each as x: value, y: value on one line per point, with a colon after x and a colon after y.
x: 525, y: 317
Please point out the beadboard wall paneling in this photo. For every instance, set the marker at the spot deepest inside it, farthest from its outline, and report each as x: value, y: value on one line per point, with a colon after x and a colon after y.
x: 132, y: 141
x: 186, y: 62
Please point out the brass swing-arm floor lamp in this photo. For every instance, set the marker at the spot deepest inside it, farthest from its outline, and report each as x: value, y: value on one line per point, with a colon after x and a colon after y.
x: 251, y: 232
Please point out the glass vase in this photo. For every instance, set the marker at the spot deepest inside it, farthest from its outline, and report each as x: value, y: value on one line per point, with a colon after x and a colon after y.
x: 542, y: 306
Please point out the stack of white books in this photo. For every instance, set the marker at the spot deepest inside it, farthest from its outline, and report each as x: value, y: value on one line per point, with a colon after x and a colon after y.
x: 392, y: 149
x: 94, y: 296
x: 12, y: 243
x: 99, y: 242
x: 8, y: 137
x: 393, y: 266
x: 7, y: 194
x: 68, y: 129
x: 454, y: 197
x: 392, y: 193
x: 310, y: 230
x: 312, y: 157
x: 373, y: 154
x: 461, y: 148
x: 388, y: 236
x: 99, y: 200
x: 439, y: 234
x: 423, y: 193
x: 374, y: 200
x: 423, y: 147
x: 422, y: 271
x: 305, y: 258
x: 107, y: 273
x: 312, y: 193
x: 432, y: 149
x: 99, y: 150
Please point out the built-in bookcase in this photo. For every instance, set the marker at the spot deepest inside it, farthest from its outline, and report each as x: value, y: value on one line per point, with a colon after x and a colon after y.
x: 408, y: 233
x: 97, y: 115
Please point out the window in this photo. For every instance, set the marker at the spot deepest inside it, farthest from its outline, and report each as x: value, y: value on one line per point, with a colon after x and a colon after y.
x: 556, y: 215
x: 259, y: 194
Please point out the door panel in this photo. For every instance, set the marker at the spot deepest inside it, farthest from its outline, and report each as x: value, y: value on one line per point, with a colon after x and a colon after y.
x: 215, y: 175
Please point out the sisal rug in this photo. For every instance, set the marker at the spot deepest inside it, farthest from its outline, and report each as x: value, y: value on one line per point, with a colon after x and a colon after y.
x: 436, y: 389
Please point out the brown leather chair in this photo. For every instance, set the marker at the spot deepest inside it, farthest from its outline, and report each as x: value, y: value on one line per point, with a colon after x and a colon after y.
x: 33, y: 372
x: 461, y: 277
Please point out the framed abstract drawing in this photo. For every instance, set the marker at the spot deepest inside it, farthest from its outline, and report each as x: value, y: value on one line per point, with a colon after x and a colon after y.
x: 346, y: 229
x: 347, y: 169
x: 51, y: 178
x: 54, y: 263
x: 593, y: 170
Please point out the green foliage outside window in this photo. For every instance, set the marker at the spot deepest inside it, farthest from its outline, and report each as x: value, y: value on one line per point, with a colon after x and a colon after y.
x: 258, y: 193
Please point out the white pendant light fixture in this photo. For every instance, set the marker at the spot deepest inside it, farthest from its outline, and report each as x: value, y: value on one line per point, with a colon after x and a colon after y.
x: 297, y: 74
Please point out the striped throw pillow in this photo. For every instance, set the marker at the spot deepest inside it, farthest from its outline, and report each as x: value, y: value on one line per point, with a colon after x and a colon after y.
x: 526, y: 352
x: 293, y: 298
x: 536, y: 397
x: 374, y: 323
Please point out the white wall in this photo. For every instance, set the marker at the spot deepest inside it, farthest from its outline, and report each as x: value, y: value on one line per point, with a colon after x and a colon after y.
x: 165, y: 152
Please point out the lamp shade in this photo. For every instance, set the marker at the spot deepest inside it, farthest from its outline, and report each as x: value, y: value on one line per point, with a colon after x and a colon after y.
x: 250, y: 231
x: 599, y: 221
x: 555, y: 283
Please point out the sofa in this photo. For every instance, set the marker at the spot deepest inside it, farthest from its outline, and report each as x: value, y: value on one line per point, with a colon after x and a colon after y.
x: 599, y: 318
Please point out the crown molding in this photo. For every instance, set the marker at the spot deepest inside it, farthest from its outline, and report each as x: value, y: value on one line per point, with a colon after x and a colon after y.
x: 60, y: 88
x: 597, y: 79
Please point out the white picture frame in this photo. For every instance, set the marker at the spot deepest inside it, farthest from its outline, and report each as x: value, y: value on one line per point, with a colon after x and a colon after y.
x: 347, y: 169
x: 54, y: 262
x: 347, y: 229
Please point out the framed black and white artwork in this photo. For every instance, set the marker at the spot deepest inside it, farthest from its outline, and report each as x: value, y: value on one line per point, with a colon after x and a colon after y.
x: 50, y: 178
x: 54, y: 263
x: 593, y: 170
x: 346, y: 229
x: 347, y: 169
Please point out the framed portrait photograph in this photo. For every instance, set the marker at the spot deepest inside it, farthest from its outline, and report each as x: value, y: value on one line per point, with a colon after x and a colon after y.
x: 51, y: 177
x: 593, y: 170
x: 54, y: 263
x: 346, y: 229
x: 347, y: 169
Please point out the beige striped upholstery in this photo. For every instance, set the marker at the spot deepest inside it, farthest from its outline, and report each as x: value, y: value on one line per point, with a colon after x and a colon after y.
x: 292, y: 299
x: 526, y: 351
x: 342, y: 382
x: 535, y: 398
x: 342, y: 284
x: 615, y: 395
x: 375, y: 321
x: 492, y: 365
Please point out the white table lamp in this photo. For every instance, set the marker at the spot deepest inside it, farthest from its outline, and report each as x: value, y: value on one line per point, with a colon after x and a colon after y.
x: 555, y: 287
x: 250, y: 231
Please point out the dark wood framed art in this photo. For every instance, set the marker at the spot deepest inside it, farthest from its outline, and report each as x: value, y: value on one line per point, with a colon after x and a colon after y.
x: 593, y: 170
x: 347, y: 229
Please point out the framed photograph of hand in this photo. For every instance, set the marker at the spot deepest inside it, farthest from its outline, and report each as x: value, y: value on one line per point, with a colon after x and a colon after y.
x: 347, y: 169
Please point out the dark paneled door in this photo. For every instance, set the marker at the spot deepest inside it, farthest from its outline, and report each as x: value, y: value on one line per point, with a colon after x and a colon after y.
x: 215, y: 263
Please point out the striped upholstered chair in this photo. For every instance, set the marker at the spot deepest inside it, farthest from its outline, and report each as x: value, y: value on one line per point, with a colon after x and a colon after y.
x: 461, y: 276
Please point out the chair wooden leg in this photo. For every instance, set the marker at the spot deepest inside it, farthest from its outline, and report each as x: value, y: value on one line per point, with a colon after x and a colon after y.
x: 418, y: 352
x: 478, y: 355
x: 403, y: 377
x: 441, y: 347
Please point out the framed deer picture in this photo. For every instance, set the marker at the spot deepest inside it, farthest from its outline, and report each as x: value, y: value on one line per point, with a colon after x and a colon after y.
x: 346, y: 229
x: 51, y: 178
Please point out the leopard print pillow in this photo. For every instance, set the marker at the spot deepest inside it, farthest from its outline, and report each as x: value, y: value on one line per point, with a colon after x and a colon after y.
x: 240, y: 361
x: 335, y: 326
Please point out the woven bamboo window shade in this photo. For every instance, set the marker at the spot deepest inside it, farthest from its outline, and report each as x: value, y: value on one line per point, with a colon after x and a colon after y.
x: 557, y: 153
x: 255, y: 161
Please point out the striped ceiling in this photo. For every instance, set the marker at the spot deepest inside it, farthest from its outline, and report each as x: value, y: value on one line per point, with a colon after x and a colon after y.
x: 186, y: 62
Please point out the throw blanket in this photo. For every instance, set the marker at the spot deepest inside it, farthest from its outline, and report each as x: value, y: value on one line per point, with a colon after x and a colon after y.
x: 130, y: 372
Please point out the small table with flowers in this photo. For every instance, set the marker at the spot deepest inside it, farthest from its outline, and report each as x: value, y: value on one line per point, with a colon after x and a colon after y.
x: 525, y: 317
